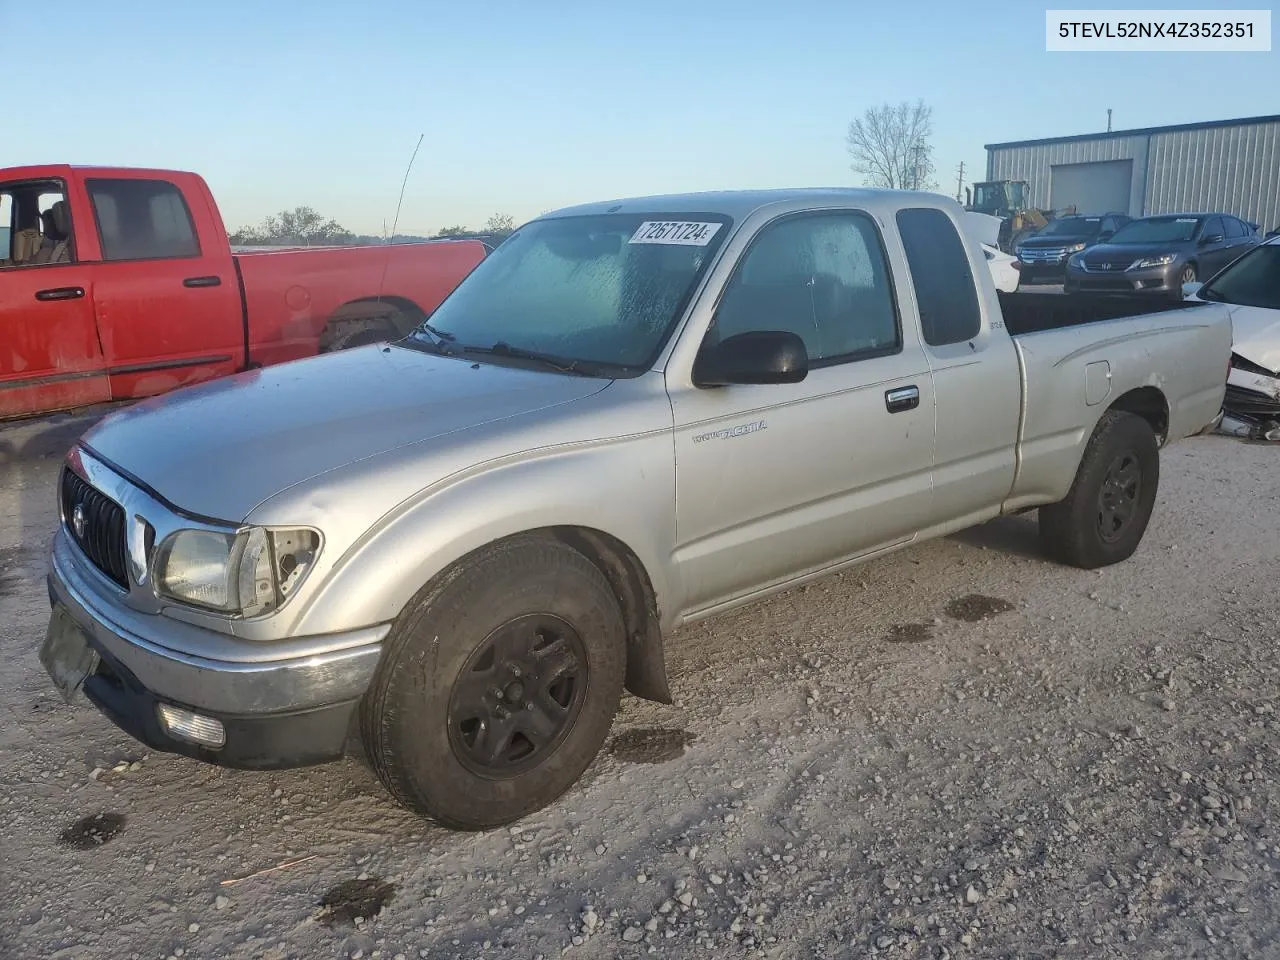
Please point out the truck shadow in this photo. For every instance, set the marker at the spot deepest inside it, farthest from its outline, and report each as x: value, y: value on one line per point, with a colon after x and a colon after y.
x: 1016, y: 535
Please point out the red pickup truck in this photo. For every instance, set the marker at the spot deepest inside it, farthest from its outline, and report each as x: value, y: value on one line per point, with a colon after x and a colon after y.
x: 121, y: 283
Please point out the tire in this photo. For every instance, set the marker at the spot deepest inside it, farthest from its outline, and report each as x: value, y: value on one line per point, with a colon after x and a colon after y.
x: 432, y: 708
x: 1188, y: 275
x: 1103, y: 518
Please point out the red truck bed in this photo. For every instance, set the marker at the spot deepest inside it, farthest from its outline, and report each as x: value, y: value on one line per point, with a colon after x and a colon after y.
x: 120, y: 283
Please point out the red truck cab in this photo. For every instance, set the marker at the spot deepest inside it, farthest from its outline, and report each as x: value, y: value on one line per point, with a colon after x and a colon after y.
x: 119, y: 283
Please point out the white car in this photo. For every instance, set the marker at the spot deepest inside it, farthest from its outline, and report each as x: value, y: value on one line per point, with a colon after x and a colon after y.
x: 1004, y: 268
x: 1250, y: 287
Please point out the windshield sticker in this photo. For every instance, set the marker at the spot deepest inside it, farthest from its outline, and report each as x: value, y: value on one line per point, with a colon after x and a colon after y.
x: 683, y: 232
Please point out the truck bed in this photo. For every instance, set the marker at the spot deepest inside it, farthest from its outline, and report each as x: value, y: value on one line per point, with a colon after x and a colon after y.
x: 1035, y: 312
x: 1169, y: 358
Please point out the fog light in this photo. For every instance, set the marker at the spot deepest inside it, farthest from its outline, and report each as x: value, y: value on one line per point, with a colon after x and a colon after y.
x: 186, y: 725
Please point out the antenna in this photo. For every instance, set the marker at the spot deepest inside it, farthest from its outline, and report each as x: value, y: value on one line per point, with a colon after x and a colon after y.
x: 387, y: 260
x: 1108, y: 119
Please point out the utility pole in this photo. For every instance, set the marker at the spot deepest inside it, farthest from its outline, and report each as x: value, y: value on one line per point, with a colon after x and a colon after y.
x: 960, y: 182
x: 1108, y: 119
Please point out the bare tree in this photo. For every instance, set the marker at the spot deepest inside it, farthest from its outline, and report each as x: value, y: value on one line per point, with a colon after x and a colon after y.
x: 301, y: 226
x: 500, y: 224
x: 890, y: 146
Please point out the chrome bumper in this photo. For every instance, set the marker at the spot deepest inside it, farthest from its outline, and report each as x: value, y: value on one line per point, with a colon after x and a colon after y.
x: 341, y: 672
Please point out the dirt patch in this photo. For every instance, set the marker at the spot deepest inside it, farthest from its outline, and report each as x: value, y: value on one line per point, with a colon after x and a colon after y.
x: 909, y: 633
x: 650, y: 745
x: 352, y: 899
x: 89, y: 833
x: 975, y: 607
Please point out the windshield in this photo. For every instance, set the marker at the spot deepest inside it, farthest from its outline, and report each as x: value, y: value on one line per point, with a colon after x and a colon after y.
x: 1157, y: 230
x: 1252, y: 281
x: 1072, y: 227
x: 592, y: 290
x: 990, y: 195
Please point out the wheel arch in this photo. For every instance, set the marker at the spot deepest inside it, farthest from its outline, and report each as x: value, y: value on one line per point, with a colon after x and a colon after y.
x: 395, y: 316
x: 1150, y: 404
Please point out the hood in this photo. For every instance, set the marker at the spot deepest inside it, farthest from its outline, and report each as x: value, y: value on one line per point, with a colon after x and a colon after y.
x: 1256, y: 335
x: 220, y: 448
x: 1057, y: 240
x: 1126, y: 253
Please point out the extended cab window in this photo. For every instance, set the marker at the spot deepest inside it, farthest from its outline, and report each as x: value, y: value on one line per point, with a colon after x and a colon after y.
x: 822, y: 277
x: 35, y: 224
x: 142, y: 220
x: 945, y: 291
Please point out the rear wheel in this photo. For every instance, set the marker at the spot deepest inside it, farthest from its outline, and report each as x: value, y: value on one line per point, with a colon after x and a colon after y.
x: 1103, y: 518
x: 498, y: 685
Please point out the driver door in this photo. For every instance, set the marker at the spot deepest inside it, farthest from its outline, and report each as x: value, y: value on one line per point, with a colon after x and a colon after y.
x: 774, y: 481
x: 50, y: 356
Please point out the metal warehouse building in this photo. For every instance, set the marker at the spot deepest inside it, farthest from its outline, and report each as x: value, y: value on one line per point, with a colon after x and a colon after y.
x: 1227, y: 165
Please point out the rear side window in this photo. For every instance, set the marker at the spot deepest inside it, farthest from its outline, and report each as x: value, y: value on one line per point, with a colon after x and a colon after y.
x: 1235, y: 228
x: 142, y: 220
x: 940, y: 274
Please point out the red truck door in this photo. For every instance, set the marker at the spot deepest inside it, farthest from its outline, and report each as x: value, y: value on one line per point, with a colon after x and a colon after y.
x: 166, y: 294
x: 50, y: 356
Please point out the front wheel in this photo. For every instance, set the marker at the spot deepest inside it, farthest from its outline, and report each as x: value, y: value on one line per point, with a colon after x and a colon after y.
x: 1102, y: 519
x: 498, y: 685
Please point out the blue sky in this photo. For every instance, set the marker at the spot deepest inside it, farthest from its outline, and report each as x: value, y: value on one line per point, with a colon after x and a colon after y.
x: 528, y: 106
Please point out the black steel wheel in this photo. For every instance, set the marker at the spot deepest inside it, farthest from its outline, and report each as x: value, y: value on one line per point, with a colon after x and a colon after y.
x: 1104, y: 515
x: 497, y: 685
x: 518, y: 695
x: 1119, y: 496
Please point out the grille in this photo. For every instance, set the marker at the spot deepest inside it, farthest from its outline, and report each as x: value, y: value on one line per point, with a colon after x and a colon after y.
x: 102, y: 536
x: 1112, y: 267
x: 1040, y: 254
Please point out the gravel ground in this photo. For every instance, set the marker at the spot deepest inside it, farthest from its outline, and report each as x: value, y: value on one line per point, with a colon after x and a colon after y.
x: 958, y: 751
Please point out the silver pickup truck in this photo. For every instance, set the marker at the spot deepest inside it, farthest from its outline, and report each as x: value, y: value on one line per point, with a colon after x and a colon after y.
x: 460, y: 548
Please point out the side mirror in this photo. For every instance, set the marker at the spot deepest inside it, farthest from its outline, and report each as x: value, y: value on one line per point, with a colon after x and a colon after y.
x: 760, y: 356
x: 1210, y: 239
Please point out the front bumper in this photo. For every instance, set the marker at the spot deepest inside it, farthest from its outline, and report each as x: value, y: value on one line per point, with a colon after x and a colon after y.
x: 1158, y: 281
x: 1036, y: 272
x: 276, y: 713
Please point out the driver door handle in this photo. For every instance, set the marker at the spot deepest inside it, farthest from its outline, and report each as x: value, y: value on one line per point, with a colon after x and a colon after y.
x: 60, y: 293
x: 902, y: 398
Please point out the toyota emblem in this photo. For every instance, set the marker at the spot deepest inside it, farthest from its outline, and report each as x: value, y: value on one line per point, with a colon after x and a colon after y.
x: 77, y: 519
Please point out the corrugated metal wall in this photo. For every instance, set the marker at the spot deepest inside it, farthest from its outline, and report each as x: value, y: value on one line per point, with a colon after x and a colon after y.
x: 1235, y: 169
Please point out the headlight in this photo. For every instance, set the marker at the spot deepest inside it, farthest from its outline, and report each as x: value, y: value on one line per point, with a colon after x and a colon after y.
x: 1075, y: 248
x: 1163, y: 260
x: 249, y: 572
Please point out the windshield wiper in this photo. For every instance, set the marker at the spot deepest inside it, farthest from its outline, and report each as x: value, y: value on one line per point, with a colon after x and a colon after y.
x: 434, y: 341
x: 549, y: 360
x: 438, y: 334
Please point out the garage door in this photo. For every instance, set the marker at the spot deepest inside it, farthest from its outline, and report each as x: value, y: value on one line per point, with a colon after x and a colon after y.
x: 1091, y: 187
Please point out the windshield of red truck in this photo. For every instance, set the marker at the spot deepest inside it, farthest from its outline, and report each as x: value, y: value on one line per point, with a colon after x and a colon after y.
x: 603, y: 290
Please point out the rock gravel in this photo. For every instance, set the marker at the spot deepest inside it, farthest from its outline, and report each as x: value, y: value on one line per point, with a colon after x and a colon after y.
x: 960, y: 750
